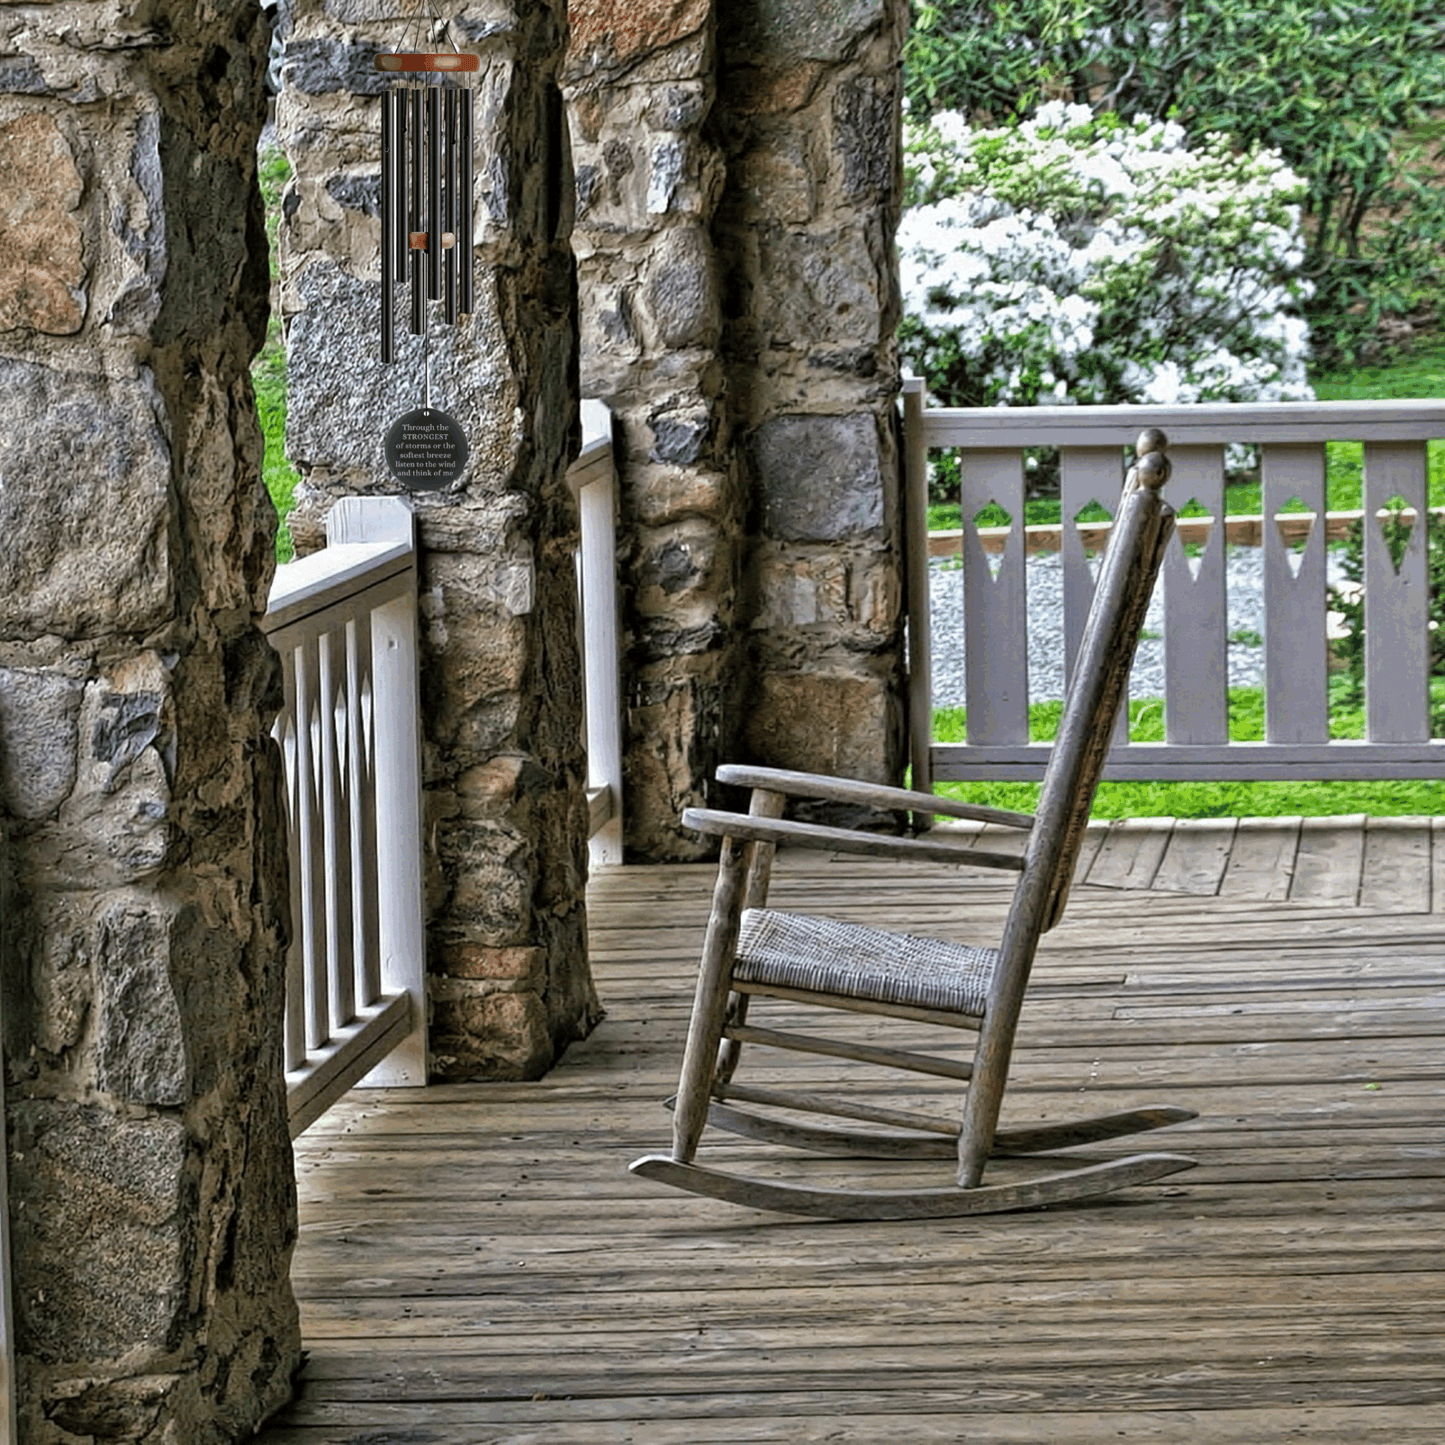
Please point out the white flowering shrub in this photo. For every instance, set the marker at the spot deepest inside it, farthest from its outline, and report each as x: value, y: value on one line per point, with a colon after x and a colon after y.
x: 1074, y: 258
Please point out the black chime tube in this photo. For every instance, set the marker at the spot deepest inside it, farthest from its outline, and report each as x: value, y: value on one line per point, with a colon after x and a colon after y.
x: 388, y: 228
x: 464, y: 202
x: 398, y: 238
x: 449, y: 207
x: 434, y: 193
x: 417, y: 220
x: 393, y: 216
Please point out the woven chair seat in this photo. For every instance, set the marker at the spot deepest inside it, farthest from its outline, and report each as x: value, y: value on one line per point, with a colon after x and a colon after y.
x: 822, y: 955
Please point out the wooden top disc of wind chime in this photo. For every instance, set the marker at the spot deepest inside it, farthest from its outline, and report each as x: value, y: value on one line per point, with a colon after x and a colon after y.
x: 438, y: 62
x: 426, y: 240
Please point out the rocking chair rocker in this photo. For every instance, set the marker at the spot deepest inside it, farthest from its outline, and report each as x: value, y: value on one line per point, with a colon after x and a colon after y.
x: 752, y: 951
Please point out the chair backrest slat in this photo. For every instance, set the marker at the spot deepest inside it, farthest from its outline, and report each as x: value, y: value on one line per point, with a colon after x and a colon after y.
x: 1101, y: 677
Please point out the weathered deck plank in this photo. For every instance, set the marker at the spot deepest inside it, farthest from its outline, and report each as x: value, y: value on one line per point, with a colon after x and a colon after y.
x: 476, y: 1267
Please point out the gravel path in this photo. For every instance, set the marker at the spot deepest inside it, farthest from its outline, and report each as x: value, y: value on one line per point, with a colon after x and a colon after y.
x: 1244, y: 580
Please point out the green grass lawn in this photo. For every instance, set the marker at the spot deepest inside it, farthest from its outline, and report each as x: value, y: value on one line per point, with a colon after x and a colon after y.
x: 268, y: 373
x: 1206, y: 799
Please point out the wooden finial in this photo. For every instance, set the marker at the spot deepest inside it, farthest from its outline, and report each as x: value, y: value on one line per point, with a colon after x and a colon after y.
x: 1151, y: 467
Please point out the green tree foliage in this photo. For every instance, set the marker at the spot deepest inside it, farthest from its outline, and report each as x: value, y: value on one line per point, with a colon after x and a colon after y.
x: 1349, y: 92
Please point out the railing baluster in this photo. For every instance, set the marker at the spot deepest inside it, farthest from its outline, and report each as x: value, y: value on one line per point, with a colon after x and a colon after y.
x: 996, y: 664
x: 1296, y: 649
x: 285, y: 733
x: 1397, y: 661
x: 311, y: 843
x: 337, y: 815
x: 1196, y: 652
x: 361, y: 753
x: 1086, y: 474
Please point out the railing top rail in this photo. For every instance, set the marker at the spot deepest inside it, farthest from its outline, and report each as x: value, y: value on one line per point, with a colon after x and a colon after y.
x: 1202, y: 424
x: 325, y: 578
x: 594, y: 461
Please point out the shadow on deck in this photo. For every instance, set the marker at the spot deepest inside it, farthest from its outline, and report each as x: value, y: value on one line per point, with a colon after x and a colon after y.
x: 476, y: 1265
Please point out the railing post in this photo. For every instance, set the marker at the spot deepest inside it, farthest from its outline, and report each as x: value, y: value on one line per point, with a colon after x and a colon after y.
x: 915, y: 526
x: 596, y: 490
x: 396, y: 708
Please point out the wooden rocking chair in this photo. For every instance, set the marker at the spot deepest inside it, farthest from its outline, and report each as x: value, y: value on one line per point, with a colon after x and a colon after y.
x: 752, y: 951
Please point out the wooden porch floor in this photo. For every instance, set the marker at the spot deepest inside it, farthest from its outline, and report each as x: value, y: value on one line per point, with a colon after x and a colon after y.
x: 475, y: 1264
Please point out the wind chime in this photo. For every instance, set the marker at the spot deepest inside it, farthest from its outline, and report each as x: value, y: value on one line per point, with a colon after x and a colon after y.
x: 426, y: 234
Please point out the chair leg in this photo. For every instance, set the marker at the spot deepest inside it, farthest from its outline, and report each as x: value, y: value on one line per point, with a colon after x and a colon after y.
x: 984, y: 1100
x: 709, y: 1009
x: 730, y: 1051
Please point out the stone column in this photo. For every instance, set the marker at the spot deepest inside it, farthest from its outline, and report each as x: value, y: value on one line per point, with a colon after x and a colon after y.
x: 144, y: 911
x: 505, y: 812
x: 808, y: 105
x: 641, y: 87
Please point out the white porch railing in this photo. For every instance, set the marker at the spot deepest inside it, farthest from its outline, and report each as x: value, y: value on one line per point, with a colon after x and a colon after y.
x: 344, y: 622
x: 1092, y: 442
x: 593, y: 479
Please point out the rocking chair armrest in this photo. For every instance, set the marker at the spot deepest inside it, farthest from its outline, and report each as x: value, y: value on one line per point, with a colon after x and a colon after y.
x: 875, y: 795
x: 718, y: 824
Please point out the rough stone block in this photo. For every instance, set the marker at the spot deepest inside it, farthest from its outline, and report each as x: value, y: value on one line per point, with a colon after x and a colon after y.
x: 323, y: 64
x: 42, y: 268
x: 140, y: 1052
x: 115, y: 825
x: 778, y: 183
x: 611, y: 35
x: 803, y: 29
x: 681, y: 290
x: 825, y: 286
x: 489, y: 867
x: 681, y: 438
x: 484, y: 1034
x: 865, y: 132
x: 675, y: 562
x: 668, y: 494
x: 89, y: 558
x: 820, y: 477
x: 518, y: 966
x: 822, y: 723
x: 796, y: 591
x: 39, y: 738
x: 96, y: 1206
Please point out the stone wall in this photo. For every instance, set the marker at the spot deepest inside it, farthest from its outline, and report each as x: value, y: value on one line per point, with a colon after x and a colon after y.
x: 737, y: 190
x: 505, y: 811
x: 152, y: 1204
